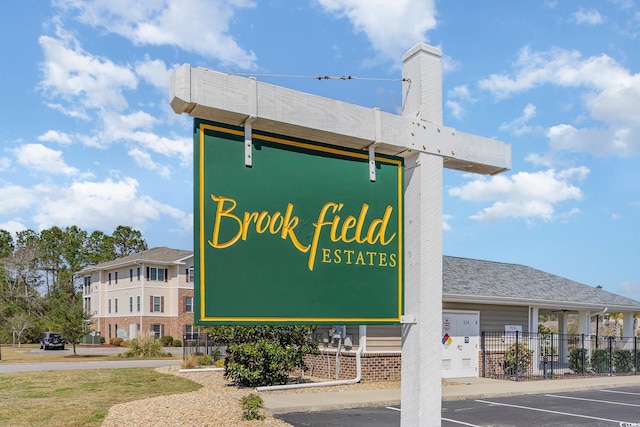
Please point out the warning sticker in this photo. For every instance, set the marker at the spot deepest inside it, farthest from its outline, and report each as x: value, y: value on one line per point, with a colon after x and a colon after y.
x: 446, y: 340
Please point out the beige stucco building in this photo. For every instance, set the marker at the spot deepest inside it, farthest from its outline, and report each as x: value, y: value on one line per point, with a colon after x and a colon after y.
x: 150, y: 291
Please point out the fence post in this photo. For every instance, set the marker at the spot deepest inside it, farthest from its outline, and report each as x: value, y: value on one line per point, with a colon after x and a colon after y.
x: 610, y: 356
x: 582, y: 351
x: 635, y: 355
x: 517, y: 358
x: 551, y: 355
x: 484, y: 356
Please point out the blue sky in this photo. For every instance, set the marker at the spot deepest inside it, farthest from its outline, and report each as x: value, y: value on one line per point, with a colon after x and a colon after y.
x: 88, y: 137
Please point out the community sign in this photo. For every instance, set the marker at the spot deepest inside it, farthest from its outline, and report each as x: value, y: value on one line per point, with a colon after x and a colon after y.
x: 302, y: 236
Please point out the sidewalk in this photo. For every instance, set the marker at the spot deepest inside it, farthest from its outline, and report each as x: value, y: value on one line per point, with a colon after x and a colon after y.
x: 464, y: 388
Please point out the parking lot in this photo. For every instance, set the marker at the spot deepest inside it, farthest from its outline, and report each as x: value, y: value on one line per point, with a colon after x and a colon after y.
x: 606, y: 407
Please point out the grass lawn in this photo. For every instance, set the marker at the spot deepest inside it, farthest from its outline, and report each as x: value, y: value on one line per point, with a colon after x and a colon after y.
x: 78, y: 398
x: 23, y: 354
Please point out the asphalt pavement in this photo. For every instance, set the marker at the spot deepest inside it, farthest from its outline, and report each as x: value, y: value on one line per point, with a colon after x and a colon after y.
x: 462, y: 389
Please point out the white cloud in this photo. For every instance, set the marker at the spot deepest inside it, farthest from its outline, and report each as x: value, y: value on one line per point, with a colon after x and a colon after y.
x: 199, y: 26
x: 445, y: 222
x: 101, y: 205
x: 12, y: 227
x: 155, y: 72
x: 143, y: 159
x: 629, y: 287
x: 459, y: 96
x: 83, y: 80
x: 588, y: 17
x: 15, y: 198
x: 518, y: 126
x: 137, y: 127
x: 392, y: 27
x: 611, y: 97
x: 524, y: 195
x: 39, y: 158
x: 5, y: 163
x: 55, y: 136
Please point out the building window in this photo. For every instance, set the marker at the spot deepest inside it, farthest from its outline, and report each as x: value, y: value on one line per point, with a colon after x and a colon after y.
x: 131, y: 274
x: 130, y: 304
x: 188, y: 304
x: 116, y: 277
x: 157, y: 304
x: 191, y: 275
x: 115, y: 305
x: 109, y: 306
x: 138, y: 303
x: 109, y: 278
x: 157, y: 331
x: 157, y: 274
x: 138, y: 273
x: 188, y: 331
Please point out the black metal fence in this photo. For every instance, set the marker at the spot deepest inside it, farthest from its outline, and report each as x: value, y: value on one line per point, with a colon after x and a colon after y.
x: 200, y: 344
x: 533, y: 356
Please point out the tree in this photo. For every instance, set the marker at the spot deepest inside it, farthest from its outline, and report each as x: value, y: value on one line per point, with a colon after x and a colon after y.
x: 264, y: 355
x: 18, y: 325
x: 127, y: 241
x: 69, y: 318
x: 6, y: 244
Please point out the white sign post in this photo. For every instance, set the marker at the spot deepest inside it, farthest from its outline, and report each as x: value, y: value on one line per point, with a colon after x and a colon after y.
x: 417, y: 135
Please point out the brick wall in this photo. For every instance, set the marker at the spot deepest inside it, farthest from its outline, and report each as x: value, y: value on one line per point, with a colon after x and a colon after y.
x: 375, y: 366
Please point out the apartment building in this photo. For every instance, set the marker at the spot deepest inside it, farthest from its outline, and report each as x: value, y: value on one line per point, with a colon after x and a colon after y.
x: 149, y: 291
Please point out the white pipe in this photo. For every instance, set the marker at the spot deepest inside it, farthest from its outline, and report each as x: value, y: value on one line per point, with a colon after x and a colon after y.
x: 321, y: 384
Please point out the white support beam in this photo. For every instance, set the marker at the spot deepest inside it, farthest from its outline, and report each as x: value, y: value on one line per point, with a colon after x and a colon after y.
x: 421, y: 342
x: 226, y: 98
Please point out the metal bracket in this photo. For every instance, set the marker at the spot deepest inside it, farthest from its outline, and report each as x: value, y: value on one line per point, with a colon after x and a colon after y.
x: 253, y: 114
x: 409, y: 319
x: 378, y: 140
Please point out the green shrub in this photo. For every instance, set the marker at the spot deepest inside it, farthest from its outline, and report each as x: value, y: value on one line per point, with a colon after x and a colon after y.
x: 576, y: 358
x: 219, y: 363
x: 205, y: 360
x: 166, y: 340
x: 264, y: 355
x: 623, y: 360
x: 145, y: 346
x: 177, y: 343
x: 517, y: 359
x: 252, y: 407
x: 600, y: 360
x: 216, y: 354
x: 102, y: 340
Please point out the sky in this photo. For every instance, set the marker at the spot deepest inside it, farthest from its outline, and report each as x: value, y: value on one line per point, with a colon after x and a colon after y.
x: 87, y: 136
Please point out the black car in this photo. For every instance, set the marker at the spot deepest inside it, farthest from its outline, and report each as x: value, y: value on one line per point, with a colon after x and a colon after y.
x: 52, y: 340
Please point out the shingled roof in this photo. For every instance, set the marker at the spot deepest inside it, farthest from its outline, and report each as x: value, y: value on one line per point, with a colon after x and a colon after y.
x: 488, y: 282
x: 159, y: 255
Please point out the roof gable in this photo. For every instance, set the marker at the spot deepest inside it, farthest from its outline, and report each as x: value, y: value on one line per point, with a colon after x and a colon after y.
x: 497, y: 282
x: 160, y: 255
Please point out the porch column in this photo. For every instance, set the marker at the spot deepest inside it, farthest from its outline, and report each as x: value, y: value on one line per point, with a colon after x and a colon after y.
x: 534, y: 339
x: 628, y: 329
x: 562, y: 332
x: 584, y: 328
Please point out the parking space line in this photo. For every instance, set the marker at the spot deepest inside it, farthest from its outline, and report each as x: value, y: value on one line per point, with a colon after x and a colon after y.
x: 392, y: 408
x: 593, y: 400
x: 460, y: 422
x: 550, y: 411
x: 620, y: 392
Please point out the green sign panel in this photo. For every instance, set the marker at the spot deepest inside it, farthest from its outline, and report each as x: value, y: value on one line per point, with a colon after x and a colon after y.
x: 300, y: 237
